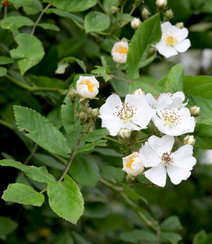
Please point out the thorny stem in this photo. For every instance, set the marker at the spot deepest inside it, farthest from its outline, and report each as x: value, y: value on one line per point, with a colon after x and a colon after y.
x: 39, y: 17
x: 31, y: 154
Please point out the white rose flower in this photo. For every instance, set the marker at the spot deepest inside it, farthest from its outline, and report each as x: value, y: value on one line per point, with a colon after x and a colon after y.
x: 134, y: 114
x: 119, y: 52
x: 156, y: 153
x: 87, y: 86
x: 173, y: 40
x: 132, y: 164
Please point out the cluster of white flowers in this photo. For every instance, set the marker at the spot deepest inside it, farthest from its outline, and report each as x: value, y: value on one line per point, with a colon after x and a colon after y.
x: 170, y: 116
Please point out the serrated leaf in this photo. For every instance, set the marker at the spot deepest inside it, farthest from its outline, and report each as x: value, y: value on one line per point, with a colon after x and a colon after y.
x: 90, y: 146
x: 29, y: 7
x: 112, y: 173
x: 96, y: 21
x: 29, y: 52
x: 84, y: 170
x: 23, y: 194
x: 64, y: 63
x: 172, y: 223
x: 175, y: 79
x: 103, y: 71
x: 6, y: 60
x: 15, y: 22
x: 65, y: 199
x: 150, y: 33
x: 49, y: 26
x: 120, y: 87
x: 3, y: 71
x: 72, y: 5
x: 136, y: 235
x: 39, y: 174
x: 95, y: 135
x: 172, y: 238
x: 41, y: 131
x: 7, y: 226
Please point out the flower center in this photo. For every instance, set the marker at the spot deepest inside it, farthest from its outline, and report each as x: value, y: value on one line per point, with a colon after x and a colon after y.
x: 129, y: 164
x: 171, y: 117
x: 166, y: 159
x: 121, y: 50
x: 126, y: 112
x: 88, y: 84
x: 170, y: 38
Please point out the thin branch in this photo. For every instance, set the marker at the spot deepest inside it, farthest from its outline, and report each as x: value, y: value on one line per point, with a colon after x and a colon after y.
x: 31, y: 154
x: 6, y: 124
x: 111, y: 139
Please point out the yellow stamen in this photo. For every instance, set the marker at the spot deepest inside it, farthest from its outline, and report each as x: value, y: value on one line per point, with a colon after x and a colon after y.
x: 170, y: 38
x: 121, y: 50
x: 88, y: 84
x: 129, y: 165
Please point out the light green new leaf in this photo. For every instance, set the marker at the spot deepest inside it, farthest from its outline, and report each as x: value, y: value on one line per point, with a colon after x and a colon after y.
x: 148, y: 33
x: 3, y: 71
x: 172, y: 238
x: 23, y: 194
x: 72, y: 5
x: 84, y: 170
x: 49, y: 26
x: 41, y: 131
x: 103, y: 71
x: 65, y: 199
x: 172, y: 223
x: 7, y: 226
x: 96, y: 21
x: 95, y: 135
x: 175, y: 79
x: 90, y: 146
x: 6, y: 60
x: 39, y: 174
x: 136, y: 235
x: 15, y: 22
x: 64, y: 63
x: 29, y: 52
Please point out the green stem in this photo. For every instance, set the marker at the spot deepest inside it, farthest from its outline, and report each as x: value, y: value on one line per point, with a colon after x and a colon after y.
x: 111, y: 139
x: 34, y: 89
x: 128, y: 17
x: 5, y: 123
x: 118, y: 78
x: 31, y: 154
x: 39, y: 17
x: 5, y: 12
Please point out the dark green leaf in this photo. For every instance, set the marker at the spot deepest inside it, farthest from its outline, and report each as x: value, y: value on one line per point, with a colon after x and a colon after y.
x: 199, y: 237
x: 49, y: 26
x: 6, y: 60
x: 64, y: 63
x: 96, y: 210
x: 7, y: 226
x: 172, y: 238
x: 171, y: 224
x: 121, y: 87
x: 49, y: 161
x: 136, y: 235
x: 15, y: 22
x: 29, y: 7
x: 3, y: 71
x: 111, y: 173
x: 90, y: 146
x: 64, y: 239
x: 78, y: 238
x: 95, y: 135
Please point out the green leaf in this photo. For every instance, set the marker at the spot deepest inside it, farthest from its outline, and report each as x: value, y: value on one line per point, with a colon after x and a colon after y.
x: 172, y: 238
x: 72, y: 5
x: 107, y: 4
x: 64, y: 239
x: 70, y: 122
x: 90, y: 146
x: 29, y: 52
x: 7, y: 226
x: 64, y: 63
x: 204, y: 127
x: 150, y: 33
x: 203, y: 142
x: 121, y: 87
x: 207, y: 239
x: 49, y: 161
x: 136, y: 235
x: 84, y: 170
x: 41, y: 131
x: 65, y: 199
x: 15, y: 22
x: 39, y: 174
x: 23, y: 194
x: 96, y: 210
x: 108, y: 152
x: 95, y: 135
x: 103, y: 71
x: 49, y: 26
x: 199, y: 237
x: 96, y: 21
x: 6, y: 60
x: 112, y: 173
x: 78, y: 238
x: 29, y: 7
x: 175, y: 78
x: 3, y: 71
x: 171, y: 224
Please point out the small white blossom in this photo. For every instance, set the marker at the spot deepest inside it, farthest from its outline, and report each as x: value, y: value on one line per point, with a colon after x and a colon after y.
x: 134, y: 114
x: 156, y: 154
x: 132, y: 164
x: 87, y: 86
x: 119, y: 52
x: 135, y: 23
x: 173, y: 40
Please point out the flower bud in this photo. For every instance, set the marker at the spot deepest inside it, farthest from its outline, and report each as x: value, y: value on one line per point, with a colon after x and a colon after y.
x: 114, y: 9
x: 132, y: 164
x: 145, y: 13
x: 161, y: 3
x: 180, y: 25
x: 119, y: 52
x: 124, y: 133
x: 87, y: 86
x: 168, y: 15
x: 189, y: 140
x: 138, y: 92
x: 135, y: 23
x: 5, y: 3
x: 195, y: 111
x: 95, y: 112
